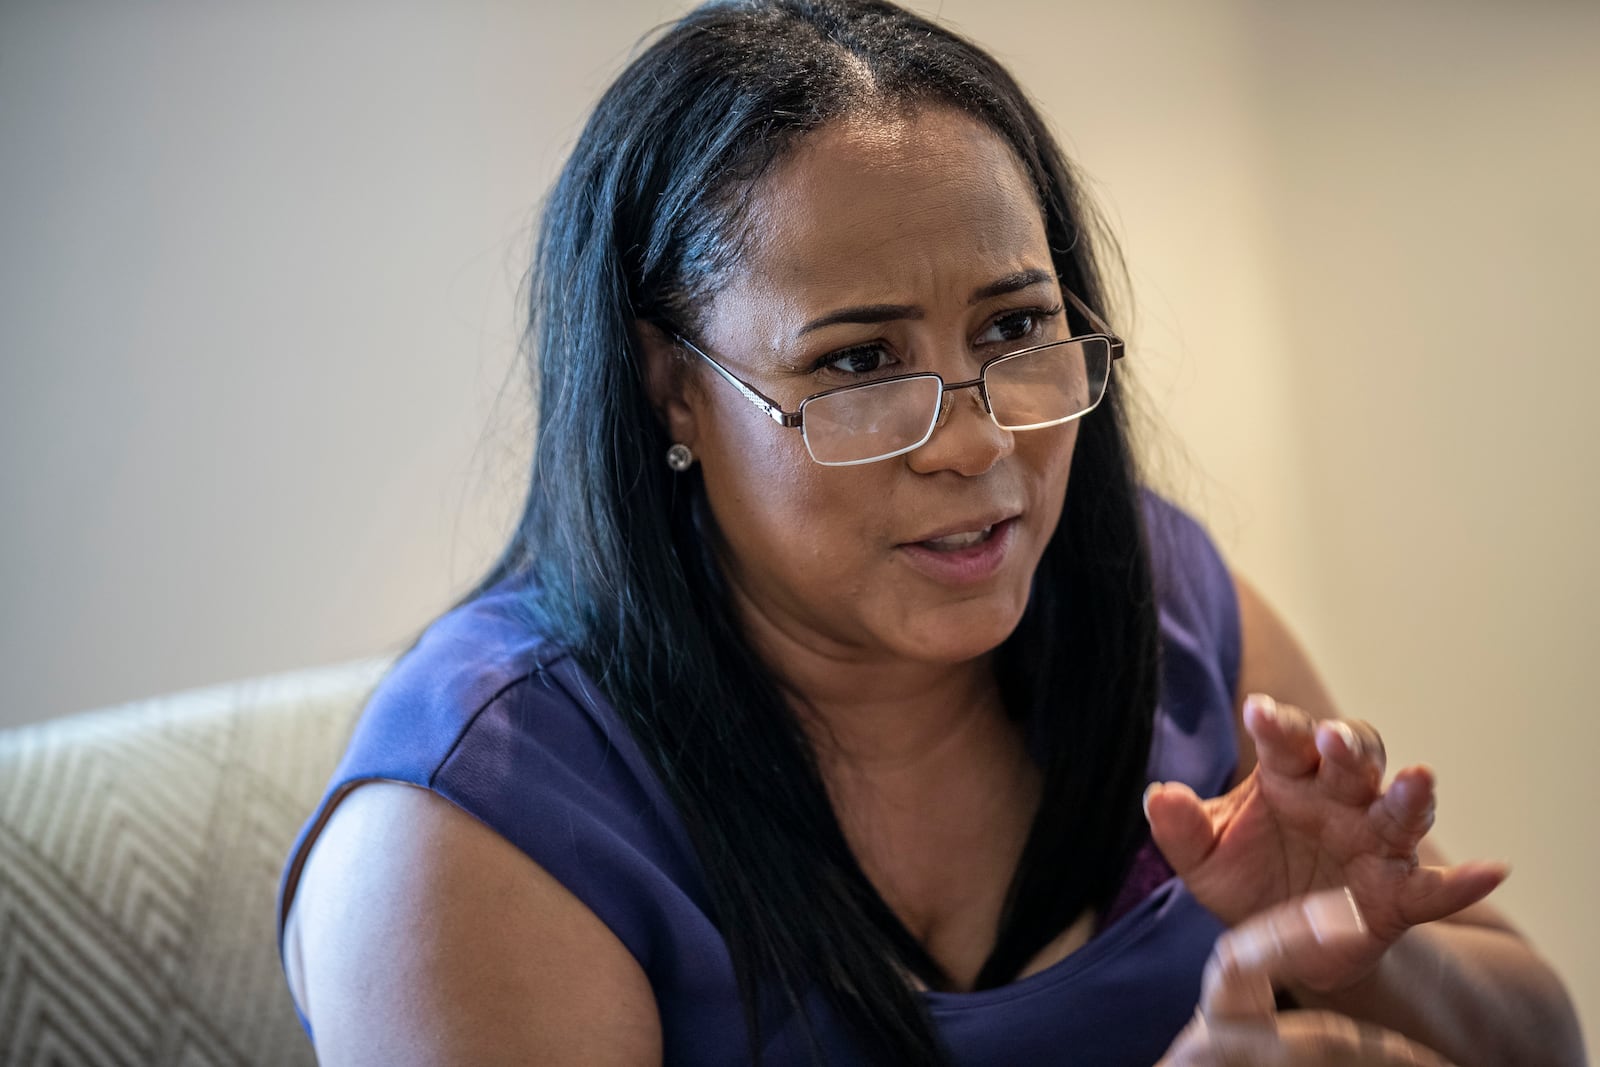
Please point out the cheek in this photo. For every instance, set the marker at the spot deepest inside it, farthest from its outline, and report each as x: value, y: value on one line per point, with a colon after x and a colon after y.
x: 1048, y: 459
x: 1061, y: 466
x: 792, y: 528
x: 748, y: 461
x: 1048, y: 454
x: 763, y: 489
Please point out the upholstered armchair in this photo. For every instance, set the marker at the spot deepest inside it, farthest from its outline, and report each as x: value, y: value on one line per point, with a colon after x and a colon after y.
x: 140, y: 849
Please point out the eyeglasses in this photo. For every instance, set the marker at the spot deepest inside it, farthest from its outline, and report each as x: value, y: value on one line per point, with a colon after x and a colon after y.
x: 1030, y: 389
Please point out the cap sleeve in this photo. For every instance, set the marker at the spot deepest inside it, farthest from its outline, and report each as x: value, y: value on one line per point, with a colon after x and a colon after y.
x: 1194, y: 738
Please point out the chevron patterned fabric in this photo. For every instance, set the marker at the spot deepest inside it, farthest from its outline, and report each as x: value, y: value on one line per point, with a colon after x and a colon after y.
x: 140, y: 849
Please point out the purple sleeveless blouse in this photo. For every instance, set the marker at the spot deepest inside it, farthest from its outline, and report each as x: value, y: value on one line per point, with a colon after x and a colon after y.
x: 502, y: 722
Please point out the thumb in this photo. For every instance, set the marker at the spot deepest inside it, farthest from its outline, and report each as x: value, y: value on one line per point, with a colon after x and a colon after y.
x: 1179, y: 825
x: 1285, y: 943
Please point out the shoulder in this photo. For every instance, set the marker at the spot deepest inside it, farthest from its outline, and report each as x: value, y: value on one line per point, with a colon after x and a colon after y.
x: 470, y: 658
x: 1194, y: 739
x: 1210, y: 611
x: 491, y: 715
x: 1187, y: 567
x: 421, y: 936
x: 495, y: 715
x: 454, y: 898
x: 1195, y: 591
x: 1274, y: 661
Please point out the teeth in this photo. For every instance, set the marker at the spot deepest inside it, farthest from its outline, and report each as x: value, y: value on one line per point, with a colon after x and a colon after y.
x: 953, y: 542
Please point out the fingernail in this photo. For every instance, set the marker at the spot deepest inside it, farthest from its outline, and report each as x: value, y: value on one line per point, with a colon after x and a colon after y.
x: 1333, y: 915
x: 1347, y: 735
x: 1265, y: 705
x: 1144, y: 801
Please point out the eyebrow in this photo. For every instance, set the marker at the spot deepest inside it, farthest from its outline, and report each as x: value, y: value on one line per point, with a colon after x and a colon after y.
x: 870, y: 313
x: 1023, y: 279
x: 865, y: 313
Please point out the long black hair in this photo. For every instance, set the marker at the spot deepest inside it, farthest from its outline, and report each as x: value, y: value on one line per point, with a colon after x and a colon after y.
x: 621, y: 553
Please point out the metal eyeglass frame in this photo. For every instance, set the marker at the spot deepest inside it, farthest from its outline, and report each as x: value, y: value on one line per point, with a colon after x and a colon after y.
x: 795, y: 420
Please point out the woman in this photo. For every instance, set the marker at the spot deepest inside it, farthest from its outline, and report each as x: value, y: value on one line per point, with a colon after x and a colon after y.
x: 808, y: 715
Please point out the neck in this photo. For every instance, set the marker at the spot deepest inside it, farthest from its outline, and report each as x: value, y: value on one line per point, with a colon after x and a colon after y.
x: 891, y: 717
x: 871, y: 712
x: 891, y: 734
x: 921, y: 765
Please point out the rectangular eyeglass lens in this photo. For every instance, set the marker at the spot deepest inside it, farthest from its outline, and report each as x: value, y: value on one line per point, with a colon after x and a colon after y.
x: 870, y: 420
x: 1050, y: 385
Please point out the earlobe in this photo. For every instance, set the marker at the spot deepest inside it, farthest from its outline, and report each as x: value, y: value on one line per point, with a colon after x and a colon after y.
x: 666, y: 381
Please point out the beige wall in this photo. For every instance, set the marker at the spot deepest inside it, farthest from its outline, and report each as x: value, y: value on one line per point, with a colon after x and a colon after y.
x: 257, y: 307
x: 1432, y: 195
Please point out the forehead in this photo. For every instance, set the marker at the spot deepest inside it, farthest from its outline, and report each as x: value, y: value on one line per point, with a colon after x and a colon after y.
x: 887, y: 206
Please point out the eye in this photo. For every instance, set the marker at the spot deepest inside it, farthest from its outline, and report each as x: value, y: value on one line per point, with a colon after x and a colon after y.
x: 863, y: 359
x: 1023, y: 324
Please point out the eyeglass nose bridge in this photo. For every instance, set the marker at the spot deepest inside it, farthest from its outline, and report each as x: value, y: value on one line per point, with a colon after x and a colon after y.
x: 946, y: 404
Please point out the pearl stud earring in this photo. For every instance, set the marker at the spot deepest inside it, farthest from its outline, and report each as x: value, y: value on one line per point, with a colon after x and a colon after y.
x: 679, y: 458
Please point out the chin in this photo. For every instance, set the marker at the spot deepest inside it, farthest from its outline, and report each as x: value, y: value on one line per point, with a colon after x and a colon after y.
x: 955, y: 633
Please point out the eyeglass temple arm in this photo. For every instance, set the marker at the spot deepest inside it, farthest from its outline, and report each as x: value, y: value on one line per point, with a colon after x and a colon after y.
x: 1097, y: 322
x: 775, y: 412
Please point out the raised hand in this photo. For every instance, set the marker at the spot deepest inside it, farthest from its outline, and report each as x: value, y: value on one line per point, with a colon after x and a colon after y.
x: 1314, y: 814
x: 1236, y: 1023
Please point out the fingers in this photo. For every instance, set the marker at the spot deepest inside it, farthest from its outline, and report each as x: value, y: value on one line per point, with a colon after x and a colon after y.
x: 1319, y: 1037
x: 1300, y: 1039
x: 1284, y: 736
x: 1353, y: 760
x: 1432, y: 893
x: 1403, y: 816
x: 1347, y: 757
x: 1295, y: 941
x: 1237, y: 1023
x: 1179, y: 825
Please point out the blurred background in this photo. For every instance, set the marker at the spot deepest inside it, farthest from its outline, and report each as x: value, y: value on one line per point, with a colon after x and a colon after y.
x: 260, y: 407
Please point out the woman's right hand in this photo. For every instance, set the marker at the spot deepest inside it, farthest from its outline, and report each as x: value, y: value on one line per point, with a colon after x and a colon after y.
x: 1237, y: 1023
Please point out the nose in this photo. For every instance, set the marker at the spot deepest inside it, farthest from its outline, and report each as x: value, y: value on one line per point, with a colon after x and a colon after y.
x: 949, y: 398
x: 967, y: 441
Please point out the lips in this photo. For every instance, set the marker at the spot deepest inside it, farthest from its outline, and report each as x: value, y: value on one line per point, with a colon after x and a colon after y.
x: 963, y: 533
x: 957, y: 541
x: 968, y: 555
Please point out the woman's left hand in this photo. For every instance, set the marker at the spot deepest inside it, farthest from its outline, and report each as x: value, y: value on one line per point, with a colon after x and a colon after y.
x: 1314, y: 814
